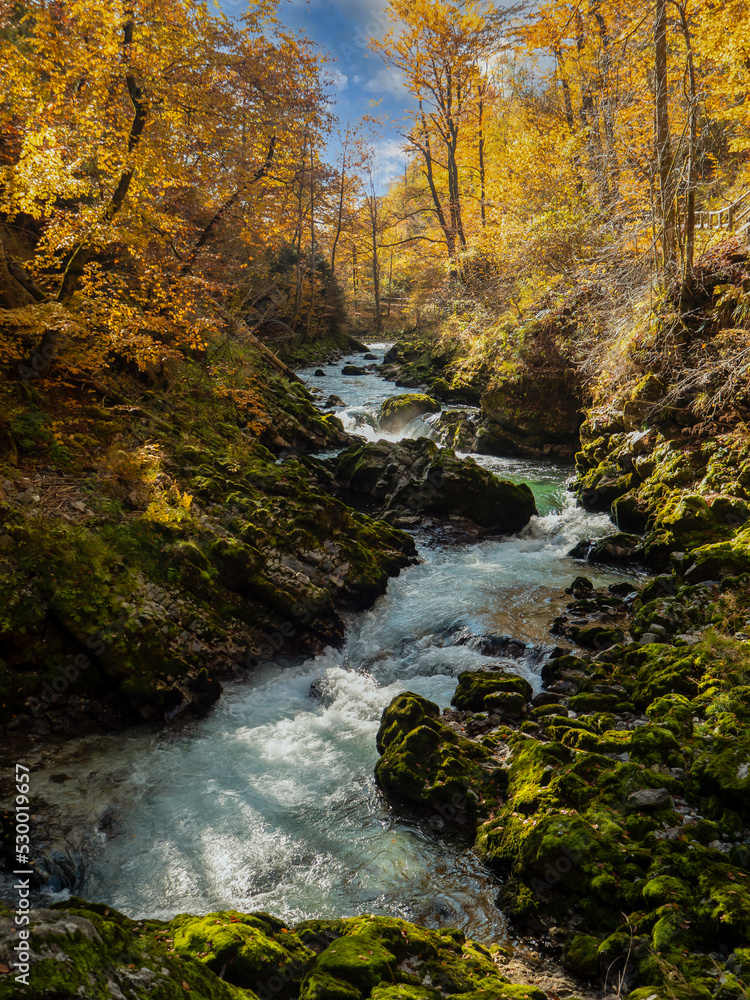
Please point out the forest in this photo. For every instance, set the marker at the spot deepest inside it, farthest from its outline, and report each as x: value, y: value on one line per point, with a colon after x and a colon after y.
x: 375, y: 545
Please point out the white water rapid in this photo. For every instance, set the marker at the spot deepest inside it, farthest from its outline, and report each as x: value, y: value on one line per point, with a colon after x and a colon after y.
x: 270, y: 802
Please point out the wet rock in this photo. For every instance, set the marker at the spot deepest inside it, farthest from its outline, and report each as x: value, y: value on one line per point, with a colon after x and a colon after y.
x: 353, y: 370
x: 457, y: 429
x: 477, y: 691
x: 397, y: 411
x: 426, y: 763
x: 650, y: 799
x: 418, y: 476
x: 614, y: 549
x: 333, y: 400
x: 319, y: 373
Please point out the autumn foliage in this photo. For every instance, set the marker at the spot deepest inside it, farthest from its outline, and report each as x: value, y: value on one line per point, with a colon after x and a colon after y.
x: 150, y: 160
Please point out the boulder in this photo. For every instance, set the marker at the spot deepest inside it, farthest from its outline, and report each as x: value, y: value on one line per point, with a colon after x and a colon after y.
x: 648, y: 799
x: 456, y: 429
x: 426, y: 763
x: 397, y: 411
x: 477, y: 688
x: 422, y: 478
x: 352, y: 370
x: 544, y: 407
x: 613, y: 549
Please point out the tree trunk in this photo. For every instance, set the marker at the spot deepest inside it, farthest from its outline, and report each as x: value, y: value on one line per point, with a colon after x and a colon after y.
x: 390, y: 285
x: 9, y: 298
x: 374, y: 211
x: 298, y: 236
x: 611, y: 163
x: 569, y: 117
x: 311, y: 308
x: 589, y: 115
x: 663, y: 140
x: 687, y: 277
x: 448, y: 233
x: 482, y: 174
x: 82, y: 253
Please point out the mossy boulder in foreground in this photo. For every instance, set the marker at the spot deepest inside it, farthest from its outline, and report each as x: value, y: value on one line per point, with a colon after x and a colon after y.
x: 88, y: 950
x: 397, y: 411
x: 426, y: 763
x: 624, y: 825
x: 420, y: 477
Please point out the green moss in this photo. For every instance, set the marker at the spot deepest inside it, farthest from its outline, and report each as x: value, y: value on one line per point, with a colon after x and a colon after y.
x: 581, y: 955
x: 425, y: 762
x: 397, y: 411
x: 592, y: 702
x: 247, y: 950
x: 361, y: 961
x: 475, y: 689
x: 655, y: 745
x: 93, y: 951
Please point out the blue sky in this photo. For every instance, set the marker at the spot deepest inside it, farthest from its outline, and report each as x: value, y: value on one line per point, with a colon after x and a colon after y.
x: 359, y: 78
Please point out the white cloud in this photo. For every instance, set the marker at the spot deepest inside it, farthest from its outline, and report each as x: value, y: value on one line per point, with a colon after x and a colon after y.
x: 389, y: 159
x: 337, y: 79
x: 386, y: 82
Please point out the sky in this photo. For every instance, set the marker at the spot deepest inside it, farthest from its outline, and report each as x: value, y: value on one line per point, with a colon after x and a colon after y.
x: 359, y: 78
x: 361, y: 83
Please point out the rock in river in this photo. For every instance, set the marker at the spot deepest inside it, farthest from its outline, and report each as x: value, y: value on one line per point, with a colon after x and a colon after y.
x: 418, y: 476
x: 397, y: 411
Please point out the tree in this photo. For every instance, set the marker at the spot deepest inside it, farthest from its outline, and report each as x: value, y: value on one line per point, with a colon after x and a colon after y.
x: 132, y: 135
x: 437, y: 48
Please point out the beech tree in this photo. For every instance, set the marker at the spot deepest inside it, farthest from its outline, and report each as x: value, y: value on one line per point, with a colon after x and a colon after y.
x: 438, y: 48
x: 131, y: 133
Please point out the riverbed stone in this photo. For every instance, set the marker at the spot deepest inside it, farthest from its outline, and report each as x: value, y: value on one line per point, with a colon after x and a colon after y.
x: 418, y: 476
x: 427, y: 763
x: 476, y: 689
x: 246, y: 950
x: 397, y: 411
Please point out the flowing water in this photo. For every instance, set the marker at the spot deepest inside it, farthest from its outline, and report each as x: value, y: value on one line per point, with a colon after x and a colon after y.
x: 270, y: 802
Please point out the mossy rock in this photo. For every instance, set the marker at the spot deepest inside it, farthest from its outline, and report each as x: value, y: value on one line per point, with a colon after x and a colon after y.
x: 426, y: 763
x: 421, y: 478
x: 397, y: 411
x: 591, y: 701
x: 673, y: 712
x: 248, y: 950
x: 654, y: 744
x: 360, y: 961
x: 581, y: 955
x: 474, y: 688
x: 89, y: 950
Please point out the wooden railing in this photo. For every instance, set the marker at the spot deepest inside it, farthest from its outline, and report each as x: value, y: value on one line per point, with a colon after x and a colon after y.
x: 734, y: 217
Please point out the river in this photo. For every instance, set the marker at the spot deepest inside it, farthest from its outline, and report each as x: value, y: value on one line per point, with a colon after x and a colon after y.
x: 269, y: 803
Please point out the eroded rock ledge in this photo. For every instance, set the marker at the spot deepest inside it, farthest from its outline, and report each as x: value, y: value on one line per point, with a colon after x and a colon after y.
x: 84, y: 949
